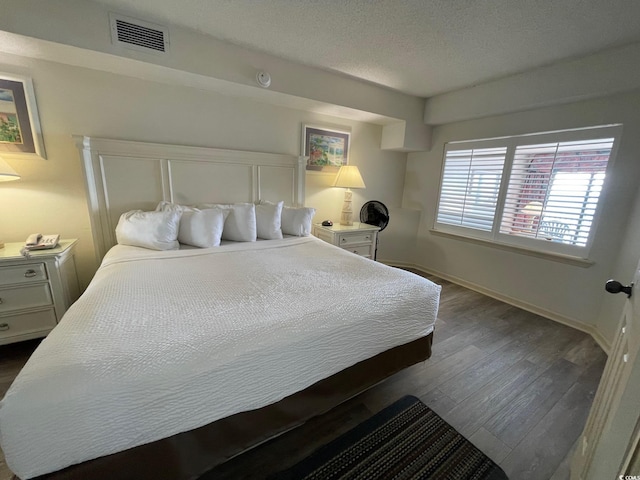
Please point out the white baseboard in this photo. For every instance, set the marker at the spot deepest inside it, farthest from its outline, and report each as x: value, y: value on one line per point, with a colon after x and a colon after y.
x: 556, y: 317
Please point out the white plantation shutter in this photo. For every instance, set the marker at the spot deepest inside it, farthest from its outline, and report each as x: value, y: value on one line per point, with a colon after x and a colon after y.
x: 554, y: 189
x: 537, y: 191
x: 470, y: 187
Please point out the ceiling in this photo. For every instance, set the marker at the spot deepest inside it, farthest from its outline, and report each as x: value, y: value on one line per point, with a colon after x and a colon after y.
x: 419, y: 47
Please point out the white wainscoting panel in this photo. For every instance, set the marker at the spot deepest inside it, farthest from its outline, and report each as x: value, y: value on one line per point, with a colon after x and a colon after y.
x: 277, y: 183
x: 204, y: 182
x: 123, y: 190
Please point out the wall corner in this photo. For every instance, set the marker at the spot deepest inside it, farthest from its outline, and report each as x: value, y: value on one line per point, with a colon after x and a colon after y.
x: 406, y: 136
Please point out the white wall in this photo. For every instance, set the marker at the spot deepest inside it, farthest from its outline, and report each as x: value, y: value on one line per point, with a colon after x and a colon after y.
x: 563, y: 291
x: 597, y: 75
x: 624, y: 266
x: 50, y: 197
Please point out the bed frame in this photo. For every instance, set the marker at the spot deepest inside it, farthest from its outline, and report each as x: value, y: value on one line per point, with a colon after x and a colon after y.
x: 124, y: 175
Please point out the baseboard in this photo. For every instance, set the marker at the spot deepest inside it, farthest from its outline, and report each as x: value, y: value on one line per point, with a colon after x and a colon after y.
x: 570, y: 322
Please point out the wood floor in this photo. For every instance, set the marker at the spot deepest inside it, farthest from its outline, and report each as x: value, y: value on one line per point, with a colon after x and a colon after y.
x: 517, y: 385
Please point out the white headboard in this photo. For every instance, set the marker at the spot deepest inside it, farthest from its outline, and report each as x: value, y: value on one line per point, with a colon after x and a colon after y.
x: 123, y: 175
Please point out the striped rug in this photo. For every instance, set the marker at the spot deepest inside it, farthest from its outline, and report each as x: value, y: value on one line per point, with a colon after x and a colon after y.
x: 406, y: 440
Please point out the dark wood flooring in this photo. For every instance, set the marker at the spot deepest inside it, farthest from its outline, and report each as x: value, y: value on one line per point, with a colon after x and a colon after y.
x: 517, y: 385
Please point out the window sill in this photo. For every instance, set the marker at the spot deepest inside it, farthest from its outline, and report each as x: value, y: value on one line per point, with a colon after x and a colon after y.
x: 556, y: 257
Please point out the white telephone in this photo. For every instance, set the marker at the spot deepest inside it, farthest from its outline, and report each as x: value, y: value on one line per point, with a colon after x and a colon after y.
x: 37, y: 241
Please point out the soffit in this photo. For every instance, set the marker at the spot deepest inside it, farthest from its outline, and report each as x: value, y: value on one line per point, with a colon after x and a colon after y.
x: 419, y: 47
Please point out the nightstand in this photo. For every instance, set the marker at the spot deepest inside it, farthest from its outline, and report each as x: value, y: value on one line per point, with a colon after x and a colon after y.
x: 35, y: 292
x: 359, y: 238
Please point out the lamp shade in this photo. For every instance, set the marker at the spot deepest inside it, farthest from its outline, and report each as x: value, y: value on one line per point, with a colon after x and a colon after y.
x: 6, y: 172
x: 533, y: 209
x: 349, y: 177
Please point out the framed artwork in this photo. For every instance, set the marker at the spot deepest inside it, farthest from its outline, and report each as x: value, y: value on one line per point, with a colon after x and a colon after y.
x: 20, y: 131
x: 327, y: 149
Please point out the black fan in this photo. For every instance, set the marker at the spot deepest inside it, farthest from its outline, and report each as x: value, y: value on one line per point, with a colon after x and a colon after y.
x: 375, y: 213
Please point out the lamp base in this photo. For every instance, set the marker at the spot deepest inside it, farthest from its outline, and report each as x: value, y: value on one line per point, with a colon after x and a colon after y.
x: 346, y: 216
x: 346, y: 219
x: 1, y: 244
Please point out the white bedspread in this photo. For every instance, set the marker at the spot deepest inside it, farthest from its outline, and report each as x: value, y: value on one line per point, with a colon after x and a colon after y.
x: 164, y: 342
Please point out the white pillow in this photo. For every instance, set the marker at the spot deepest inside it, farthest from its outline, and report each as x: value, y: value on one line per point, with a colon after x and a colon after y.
x: 202, y: 228
x: 153, y: 230
x: 268, y: 220
x: 240, y: 225
x: 168, y: 206
x: 297, y: 221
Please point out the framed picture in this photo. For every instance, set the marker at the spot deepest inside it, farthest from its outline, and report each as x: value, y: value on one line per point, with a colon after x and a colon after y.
x: 327, y: 149
x: 19, y: 123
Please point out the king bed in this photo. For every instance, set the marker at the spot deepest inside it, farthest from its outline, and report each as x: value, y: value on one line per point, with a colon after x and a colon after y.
x: 174, y: 361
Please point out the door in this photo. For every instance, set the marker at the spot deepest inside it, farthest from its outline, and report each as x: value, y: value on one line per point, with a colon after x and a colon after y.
x: 610, y: 438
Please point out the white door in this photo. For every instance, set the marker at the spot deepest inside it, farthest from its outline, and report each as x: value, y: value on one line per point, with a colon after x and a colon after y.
x: 610, y: 437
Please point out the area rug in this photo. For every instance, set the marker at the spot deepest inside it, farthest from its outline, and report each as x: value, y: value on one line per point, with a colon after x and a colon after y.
x: 406, y: 440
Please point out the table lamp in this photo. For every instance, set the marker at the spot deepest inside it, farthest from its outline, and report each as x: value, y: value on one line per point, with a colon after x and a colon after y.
x: 348, y: 177
x: 6, y: 175
x: 532, y: 210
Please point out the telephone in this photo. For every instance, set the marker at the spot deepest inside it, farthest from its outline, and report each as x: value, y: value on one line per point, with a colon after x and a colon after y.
x: 37, y: 241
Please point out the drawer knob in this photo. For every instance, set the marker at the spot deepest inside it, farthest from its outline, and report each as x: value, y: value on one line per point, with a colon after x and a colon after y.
x: 30, y: 273
x: 4, y: 326
x: 343, y: 240
x: 368, y: 237
x: 1, y: 301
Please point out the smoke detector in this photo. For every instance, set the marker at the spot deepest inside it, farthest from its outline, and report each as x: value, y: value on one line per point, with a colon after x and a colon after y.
x: 263, y: 79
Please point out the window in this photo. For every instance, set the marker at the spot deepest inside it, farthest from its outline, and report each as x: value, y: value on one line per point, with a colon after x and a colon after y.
x: 539, y: 191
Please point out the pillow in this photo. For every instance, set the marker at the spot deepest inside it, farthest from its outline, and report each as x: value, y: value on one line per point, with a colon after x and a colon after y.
x: 240, y: 225
x: 153, y: 230
x: 268, y: 220
x: 297, y: 221
x: 202, y: 228
x: 168, y: 206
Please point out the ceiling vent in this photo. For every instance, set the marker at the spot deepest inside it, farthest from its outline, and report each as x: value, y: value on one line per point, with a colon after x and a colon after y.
x: 132, y: 33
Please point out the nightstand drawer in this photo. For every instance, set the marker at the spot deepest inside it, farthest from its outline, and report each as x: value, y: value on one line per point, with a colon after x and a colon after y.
x: 347, y: 239
x: 13, y: 274
x: 322, y: 235
x: 358, y: 238
x: 27, y: 296
x: 362, y: 250
x: 26, y: 323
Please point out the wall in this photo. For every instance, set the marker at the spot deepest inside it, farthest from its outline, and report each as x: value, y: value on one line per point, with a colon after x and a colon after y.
x: 597, y: 75
x: 50, y: 197
x: 624, y: 267
x: 566, y: 292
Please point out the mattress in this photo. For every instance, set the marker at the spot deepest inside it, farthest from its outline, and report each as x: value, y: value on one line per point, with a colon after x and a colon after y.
x: 164, y: 342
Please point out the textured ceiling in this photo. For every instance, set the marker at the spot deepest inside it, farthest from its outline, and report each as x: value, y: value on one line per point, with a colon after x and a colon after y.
x: 420, y: 47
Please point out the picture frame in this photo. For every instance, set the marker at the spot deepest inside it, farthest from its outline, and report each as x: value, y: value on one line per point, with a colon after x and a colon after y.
x: 20, y: 132
x: 326, y: 149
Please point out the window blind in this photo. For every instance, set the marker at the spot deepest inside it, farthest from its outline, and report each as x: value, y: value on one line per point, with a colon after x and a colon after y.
x: 537, y: 191
x: 470, y: 187
x: 554, y: 188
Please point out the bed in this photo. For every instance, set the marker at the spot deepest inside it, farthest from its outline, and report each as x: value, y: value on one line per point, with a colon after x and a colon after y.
x: 174, y: 361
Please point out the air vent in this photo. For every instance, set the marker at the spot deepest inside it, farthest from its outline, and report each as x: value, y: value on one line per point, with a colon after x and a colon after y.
x: 138, y: 35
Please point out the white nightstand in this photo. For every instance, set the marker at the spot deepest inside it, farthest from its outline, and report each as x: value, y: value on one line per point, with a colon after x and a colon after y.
x: 35, y: 292
x: 359, y: 238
